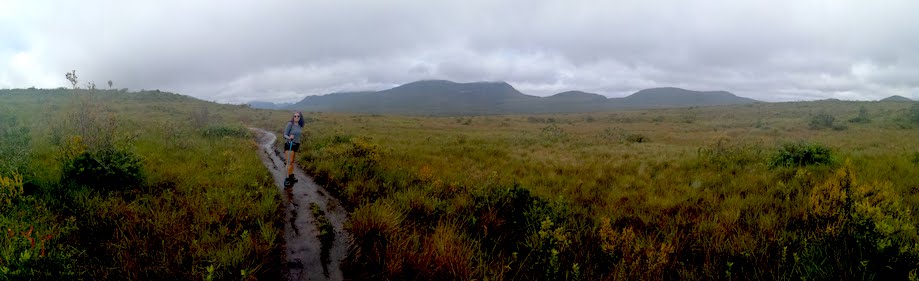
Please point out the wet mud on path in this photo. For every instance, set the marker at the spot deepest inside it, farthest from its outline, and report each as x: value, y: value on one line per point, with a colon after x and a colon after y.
x: 307, y: 257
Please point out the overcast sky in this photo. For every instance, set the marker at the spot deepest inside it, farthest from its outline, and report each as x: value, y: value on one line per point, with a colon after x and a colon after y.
x: 282, y: 51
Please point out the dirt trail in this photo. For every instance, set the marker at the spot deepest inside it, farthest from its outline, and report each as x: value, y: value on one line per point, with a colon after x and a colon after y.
x: 305, y: 253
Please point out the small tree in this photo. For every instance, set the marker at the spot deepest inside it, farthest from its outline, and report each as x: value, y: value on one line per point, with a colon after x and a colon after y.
x: 200, y: 118
x: 72, y: 77
x: 862, y: 116
x: 110, y: 84
x: 802, y: 154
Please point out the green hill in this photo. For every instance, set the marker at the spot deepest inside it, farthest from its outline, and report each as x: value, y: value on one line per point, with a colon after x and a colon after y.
x: 896, y: 98
x: 434, y: 97
x: 676, y: 97
x: 440, y: 97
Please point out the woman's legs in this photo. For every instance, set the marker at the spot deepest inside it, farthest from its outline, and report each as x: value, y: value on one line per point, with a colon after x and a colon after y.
x: 291, y: 158
x: 290, y: 162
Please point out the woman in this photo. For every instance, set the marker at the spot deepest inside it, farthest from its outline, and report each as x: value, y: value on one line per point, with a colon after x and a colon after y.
x: 292, y: 133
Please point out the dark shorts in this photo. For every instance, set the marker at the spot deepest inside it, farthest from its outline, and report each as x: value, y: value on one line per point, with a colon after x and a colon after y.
x: 295, y: 148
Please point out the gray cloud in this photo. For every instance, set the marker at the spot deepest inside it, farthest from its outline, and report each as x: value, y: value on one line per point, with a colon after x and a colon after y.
x: 284, y: 50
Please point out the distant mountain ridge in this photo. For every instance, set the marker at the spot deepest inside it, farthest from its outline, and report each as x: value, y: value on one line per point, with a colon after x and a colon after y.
x: 268, y: 105
x: 577, y: 96
x: 442, y: 97
x: 896, y: 98
x: 676, y: 97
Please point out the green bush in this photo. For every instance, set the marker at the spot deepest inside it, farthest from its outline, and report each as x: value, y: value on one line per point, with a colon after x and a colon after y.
x: 508, y: 214
x: 106, y: 170
x: 801, y: 154
x: 822, y: 121
x: 512, y: 222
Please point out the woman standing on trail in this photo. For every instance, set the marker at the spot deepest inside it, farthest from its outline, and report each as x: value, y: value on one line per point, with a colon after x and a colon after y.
x: 292, y: 133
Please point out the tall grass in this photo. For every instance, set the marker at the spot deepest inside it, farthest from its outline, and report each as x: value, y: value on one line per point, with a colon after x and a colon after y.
x: 122, y: 185
x: 722, y: 197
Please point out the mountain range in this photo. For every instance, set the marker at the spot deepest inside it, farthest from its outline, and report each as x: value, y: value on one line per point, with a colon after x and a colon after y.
x: 441, y: 97
x: 269, y: 105
x: 896, y: 98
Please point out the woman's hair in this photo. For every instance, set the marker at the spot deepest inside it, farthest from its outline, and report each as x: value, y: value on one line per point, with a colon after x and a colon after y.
x: 301, y: 118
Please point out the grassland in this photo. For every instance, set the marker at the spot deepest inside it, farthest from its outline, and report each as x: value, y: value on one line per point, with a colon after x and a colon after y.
x: 806, y: 190
x: 133, y: 185
x: 809, y: 190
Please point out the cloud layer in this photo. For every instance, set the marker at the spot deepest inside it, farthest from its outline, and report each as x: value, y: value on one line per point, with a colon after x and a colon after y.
x: 282, y: 51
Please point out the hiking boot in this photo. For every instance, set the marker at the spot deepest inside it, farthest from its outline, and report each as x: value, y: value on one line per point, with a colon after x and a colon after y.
x: 293, y: 179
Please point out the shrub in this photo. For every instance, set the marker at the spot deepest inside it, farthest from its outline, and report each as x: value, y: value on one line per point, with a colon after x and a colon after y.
x: 546, y: 246
x: 822, y: 121
x: 201, y: 117
x: 10, y: 190
x: 362, y: 148
x: 863, y: 229
x: 801, y: 154
x: 505, y: 216
x: 628, y: 248
x: 106, y: 170
x: 862, y: 116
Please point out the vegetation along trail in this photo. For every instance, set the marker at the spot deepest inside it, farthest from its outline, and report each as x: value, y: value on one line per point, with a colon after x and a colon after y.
x: 316, y: 239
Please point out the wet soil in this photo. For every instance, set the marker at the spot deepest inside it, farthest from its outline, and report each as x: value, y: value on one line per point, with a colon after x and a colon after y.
x: 307, y: 257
